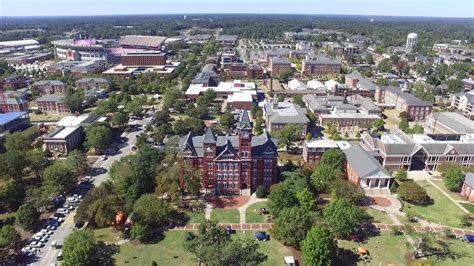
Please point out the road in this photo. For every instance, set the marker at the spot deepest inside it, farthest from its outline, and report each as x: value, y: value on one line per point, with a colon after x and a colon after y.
x: 48, y: 254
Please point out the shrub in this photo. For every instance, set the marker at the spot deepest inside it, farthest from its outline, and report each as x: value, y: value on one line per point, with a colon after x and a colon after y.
x: 413, y: 193
x: 465, y: 220
x: 402, y: 175
x: 261, y: 192
x: 453, y: 179
x: 140, y: 232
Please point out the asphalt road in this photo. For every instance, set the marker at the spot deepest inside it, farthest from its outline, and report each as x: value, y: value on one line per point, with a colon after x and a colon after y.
x: 47, y: 255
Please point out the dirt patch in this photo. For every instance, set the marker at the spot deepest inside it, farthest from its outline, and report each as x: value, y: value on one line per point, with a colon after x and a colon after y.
x: 298, y: 255
x: 381, y: 201
x: 228, y: 202
x: 135, y: 242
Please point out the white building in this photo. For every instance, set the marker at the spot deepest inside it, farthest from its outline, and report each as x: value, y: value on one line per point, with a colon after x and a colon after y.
x: 412, y: 41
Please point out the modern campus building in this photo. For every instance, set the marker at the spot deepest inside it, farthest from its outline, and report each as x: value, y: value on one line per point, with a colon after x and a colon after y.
x: 224, y: 90
x: 14, y: 121
x: 464, y: 102
x: 448, y: 123
x: 233, y: 164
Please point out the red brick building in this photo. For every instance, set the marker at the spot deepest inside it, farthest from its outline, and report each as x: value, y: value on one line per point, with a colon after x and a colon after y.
x: 468, y: 187
x: 321, y: 67
x: 50, y: 86
x: 52, y: 104
x: 254, y: 72
x: 14, y: 105
x: 279, y: 65
x: 144, y: 59
x: 233, y: 164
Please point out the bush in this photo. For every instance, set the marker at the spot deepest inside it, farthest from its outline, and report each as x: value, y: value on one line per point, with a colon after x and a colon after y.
x: 413, y: 193
x: 261, y: 192
x: 465, y: 220
x: 140, y: 232
x: 453, y: 179
x: 402, y: 175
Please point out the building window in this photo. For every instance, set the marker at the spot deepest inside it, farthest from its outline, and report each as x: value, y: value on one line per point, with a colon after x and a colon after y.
x: 218, y: 166
x: 231, y: 167
x: 209, y: 166
x: 451, y: 159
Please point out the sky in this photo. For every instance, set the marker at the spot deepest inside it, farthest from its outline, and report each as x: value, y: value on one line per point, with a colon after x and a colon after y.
x: 427, y: 8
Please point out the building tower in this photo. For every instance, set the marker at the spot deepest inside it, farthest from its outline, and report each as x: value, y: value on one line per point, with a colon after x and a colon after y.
x: 412, y: 41
x: 3, y: 100
x: 245, y: 148
x: 209, y: 145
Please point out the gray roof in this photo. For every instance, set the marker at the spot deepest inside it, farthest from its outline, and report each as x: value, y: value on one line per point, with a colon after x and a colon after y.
x: 409, y: 98
x: 231, y: 38
x: 52, y: 82
x: 245, y: 121
x: 14, y: 101
x: 208, y: 137
x: 367, y: 104
x: 142, y: 40
x: 316, y: 103
x: 365, y: 165
x: 468, y: 95
x: 286, y: 113
x: 279, y: 60
x: 51, y: 98
x: 96, y: 80
x: 322, y: 61
x: 469, y: 179
x: 363, y: 82
x: 345, y: 106
x: 454, y: 121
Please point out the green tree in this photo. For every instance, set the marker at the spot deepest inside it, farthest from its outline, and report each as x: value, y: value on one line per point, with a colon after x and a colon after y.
x: 418, y: 129
x: 261, y: 192
x: 413, y: 193
x: 135, y: 107
x: 292, y: 225
x: 323, y: 177
x: 378, y: 124
x: 79, y: 249
x: 58, y: 178
x: 27, y: 216
x: 119, y: 119
x: 141, y: 232
x: 335, y: 158
x: 343, y: 189
x: 170, y: 95
x: 308, y: 136
x: 98, y: 136
x: 285, y: 75
x: 9, y: 237
x: 18, y: 141
x: 77, y: 161
x: 402, y: 175
x: 281, y: 197
x: 454, y: 179
x: 298, y: 99
x: 227, y: 119
x: 151, y: 210
x: 288, y: 134
x: 258, y: 127
x: 12, y: 194
x: 404, y: 115
x: 12, y: 163
x: 74, y: 102
x: 403, y: 125
x: 343, y: 217
x: 306, y: 199
x: 319, y: 247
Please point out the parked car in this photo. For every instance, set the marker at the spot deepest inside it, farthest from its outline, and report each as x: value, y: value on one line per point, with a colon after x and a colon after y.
x: 50, y: 227
x: 68, y: 207
x: 77, y: 196
x: 35, y: 244
x: 261, y: 236
x: 104, y: 157
x: 28, y: 250
x: 62, y: 211
x: 46, y: 231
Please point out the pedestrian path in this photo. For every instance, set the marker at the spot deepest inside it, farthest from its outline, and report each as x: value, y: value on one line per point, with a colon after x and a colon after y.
x: 240, y: 227
x: 243, y: 209
x: 449, y: 197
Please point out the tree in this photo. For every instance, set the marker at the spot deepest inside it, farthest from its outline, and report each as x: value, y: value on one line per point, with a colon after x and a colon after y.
x: 404, y: 115
x: 12, y: 164
x: 323, y: 177
x: 281, y: 197
x: 98, y: 136
x: 418, y: 129
x: 402, y: 175
x: 258, y: 125
x: 79, y: 248
x: 453, y: 179
x: 343, y: 217
x: 343, y: 189
x: 151, y: 210
x: 413, y: 193
x: 403, y: 125
x: 18, y: 141
x: 27, y: 216
x: 335, y: 158
x: 288, y: 134
x: 378, y: 124
x: 9, y: 237
x: 210, y: 94
x: 298, y: 99
x: 285, y: 75
x: 227, y: 119
x: 319, y: 247
x: 140, y: 232
x: 385, y: 66
x: 306, y: 200
x: 292, y: 225
x: 261, y: 192
x: 58, y: 178
x: 74, y: 102
x: 77, y: 161
x: 170, y: 95
x: 119, y: 119
x: 12, y: 194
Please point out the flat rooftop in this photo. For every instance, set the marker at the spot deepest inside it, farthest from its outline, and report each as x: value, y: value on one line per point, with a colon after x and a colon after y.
x: 10, y: 116
x: 62, y: 132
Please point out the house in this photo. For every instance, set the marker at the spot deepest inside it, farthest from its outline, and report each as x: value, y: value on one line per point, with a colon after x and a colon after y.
x: 279, y: 65
x: 464, y: 102
x: 393, y: 97
x: 364, y: 170
x: 52, y: 104
x: 468, y: 187
x: 448, y: 123
x: 92, y: 83
x: 64, y: 139
x: 280, y: 114
x: 233, y: 164
x: 50, y: 86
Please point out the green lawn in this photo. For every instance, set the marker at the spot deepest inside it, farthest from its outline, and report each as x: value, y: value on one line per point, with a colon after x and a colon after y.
x: 107, y: 235
x: 195, y: 217
x: 225, y: 216
x: 171, y: 251
x: 454, y: 195
x: 469, y: 207
x: 379, y: 217
x: 384, y: 249
x: 443, y: 211
x: 253, y: 215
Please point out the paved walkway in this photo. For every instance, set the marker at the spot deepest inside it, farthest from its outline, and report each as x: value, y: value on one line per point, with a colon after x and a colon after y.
x: 263, y: 226
x: 243, y: 209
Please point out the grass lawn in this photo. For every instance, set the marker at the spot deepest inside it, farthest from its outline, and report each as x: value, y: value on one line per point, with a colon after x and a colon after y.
x: 225, y: 216
x: 107, y: 235
x: 469, y: 207
x: 253, y: 215
x: 171, y: 251
x: 195, y: 217
x: 384, y: 249
x: 7, y: 215
x: 443, y: 210
x: 463, y: 249
x: 46, y: 117
x: 379, y: 217
x: 454, y: 195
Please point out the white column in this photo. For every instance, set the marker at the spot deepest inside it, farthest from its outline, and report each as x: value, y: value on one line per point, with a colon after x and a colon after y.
x: 378, y: 186
x: 370, y: 183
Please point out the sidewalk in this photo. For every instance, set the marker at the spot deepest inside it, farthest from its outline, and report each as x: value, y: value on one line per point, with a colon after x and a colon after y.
x: 243, y: 209
x: 192, y: 227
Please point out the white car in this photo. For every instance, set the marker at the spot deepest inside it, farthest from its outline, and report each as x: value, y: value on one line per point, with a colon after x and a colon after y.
x: 68, y: 207
x: 50, y: 227
x: 28, y: 250
x: 45, y: 231
x: 44, y: 239
x: 77, y: 196
x: 36, y: 238
x: 35, y: 244
x: 41, y: 234
x: 72, y: 200
x: 104, y: 157
x: 62, y: 211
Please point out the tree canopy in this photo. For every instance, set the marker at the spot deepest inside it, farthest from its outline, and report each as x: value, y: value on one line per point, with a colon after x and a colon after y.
x: 319, y: 247
x: 343, y: 217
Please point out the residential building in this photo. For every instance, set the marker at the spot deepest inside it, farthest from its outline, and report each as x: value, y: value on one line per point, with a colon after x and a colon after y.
x: 92, y: 83
x: 235, y: 164
x: 321, y: 66
x: 364, y: 170
x: 14, y: 105
x: 64, y: 139
x: 420, y: 151
x: 467, y: 190
x: 279, y: 65
x: 468, y: 83
x: 14, y: 121
x: 15, y: 82
x: 464, y: 102
x: 254, y: 71
x: 280, y: 114
x: 237, y: 70
x: 448, y: 123
x: 52, y: 104
x: 393, y: 97
x: 50, y: 86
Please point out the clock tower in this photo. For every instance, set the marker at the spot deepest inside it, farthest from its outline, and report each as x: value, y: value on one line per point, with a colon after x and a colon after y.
x: 245, y: 150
